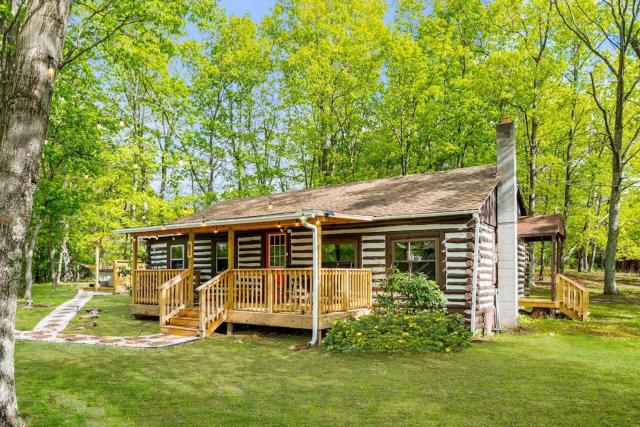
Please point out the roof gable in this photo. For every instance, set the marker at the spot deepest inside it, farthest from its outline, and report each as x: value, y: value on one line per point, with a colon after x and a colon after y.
x: 457, y: 190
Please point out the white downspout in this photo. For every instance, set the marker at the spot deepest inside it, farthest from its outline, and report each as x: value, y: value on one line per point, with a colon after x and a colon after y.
x: 315, y: 280
x: 474, y: 279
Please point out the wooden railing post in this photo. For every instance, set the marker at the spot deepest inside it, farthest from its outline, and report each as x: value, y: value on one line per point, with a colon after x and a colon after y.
x: 134, y: 268
x: 231, y: 260
x: 346, y: 290
x: 269, y: 291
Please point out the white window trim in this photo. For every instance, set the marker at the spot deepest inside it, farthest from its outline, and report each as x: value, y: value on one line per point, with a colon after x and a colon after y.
x: 171, y: 259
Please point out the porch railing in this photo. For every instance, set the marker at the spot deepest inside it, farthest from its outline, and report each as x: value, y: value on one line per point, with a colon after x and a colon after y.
x: 572, y: 297
x: 147, y: 282
x: 280, y: 290
x: 213, y: 300
x: 174, y: 295
x: 290, y: 290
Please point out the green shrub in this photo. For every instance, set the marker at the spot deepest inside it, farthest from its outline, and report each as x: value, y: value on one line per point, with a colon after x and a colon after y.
x: 410, y: 293
x: 421, y: 332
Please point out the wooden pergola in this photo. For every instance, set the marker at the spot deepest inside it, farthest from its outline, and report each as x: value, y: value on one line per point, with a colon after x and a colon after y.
x: 567, y: 296
x: 544, y: 228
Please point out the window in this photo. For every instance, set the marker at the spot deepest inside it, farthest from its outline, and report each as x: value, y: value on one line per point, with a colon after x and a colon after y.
x: 415, y: 256
x: 277, y: 250
x: 222, y: 257
x: 176, y: 256
x: 339, y: 255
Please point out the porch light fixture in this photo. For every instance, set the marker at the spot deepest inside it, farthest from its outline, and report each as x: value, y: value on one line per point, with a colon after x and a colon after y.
x: 215, y: 231
x: 50, y: 70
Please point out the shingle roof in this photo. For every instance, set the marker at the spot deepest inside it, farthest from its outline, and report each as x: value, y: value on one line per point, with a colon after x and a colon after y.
x: 462, y: 189
x: 540, y: 226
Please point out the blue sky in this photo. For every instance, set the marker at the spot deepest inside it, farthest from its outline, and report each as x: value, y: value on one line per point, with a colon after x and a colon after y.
x: 255, y: 8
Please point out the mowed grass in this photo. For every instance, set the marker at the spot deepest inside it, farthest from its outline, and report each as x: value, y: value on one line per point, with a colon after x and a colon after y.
x: 42, y: 293
x: 615, y: 316
x: 114, y: 319
x: 553, y: 372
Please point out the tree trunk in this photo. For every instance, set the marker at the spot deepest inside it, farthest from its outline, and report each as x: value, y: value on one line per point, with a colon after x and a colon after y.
x: 541, y: 274
x: 612, y: 231
x: 26, y: 97
x: 53, y: 269
x: 63, y: 261
x: 96, y: 284
x: 28, y: 264
x: 594, y: 251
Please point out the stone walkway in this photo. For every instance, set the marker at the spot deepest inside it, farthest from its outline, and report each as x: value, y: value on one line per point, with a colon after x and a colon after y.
x: 50, y: 329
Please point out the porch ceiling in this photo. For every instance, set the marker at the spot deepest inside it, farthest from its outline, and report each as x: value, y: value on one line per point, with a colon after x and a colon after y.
x: 291, y: 219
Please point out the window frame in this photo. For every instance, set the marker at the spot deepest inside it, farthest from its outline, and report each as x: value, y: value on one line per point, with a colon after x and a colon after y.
x: 437, y: 239
x: 215, y: 257
x: 267, y: 252
x: 171, y: 259
x: 345, y: 240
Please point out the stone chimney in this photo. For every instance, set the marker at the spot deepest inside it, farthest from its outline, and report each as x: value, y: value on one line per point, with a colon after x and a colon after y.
x: 507, y: 230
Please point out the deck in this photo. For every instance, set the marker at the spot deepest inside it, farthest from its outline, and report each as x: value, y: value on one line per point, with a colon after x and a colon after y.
x: 279, y: 297
x: 571, y: 299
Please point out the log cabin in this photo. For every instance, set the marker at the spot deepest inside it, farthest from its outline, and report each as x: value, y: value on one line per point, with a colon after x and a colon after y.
x: 303, y: 259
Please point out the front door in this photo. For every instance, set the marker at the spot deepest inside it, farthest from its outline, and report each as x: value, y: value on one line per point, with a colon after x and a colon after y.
x: 276, y: 257
x: 276, y: 252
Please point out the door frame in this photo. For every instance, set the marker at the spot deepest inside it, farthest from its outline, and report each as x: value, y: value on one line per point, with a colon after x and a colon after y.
x: 267, y: 245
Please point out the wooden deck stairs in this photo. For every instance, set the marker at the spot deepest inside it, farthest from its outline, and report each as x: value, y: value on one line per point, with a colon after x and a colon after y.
x: 187, y: 322
x: 571, y: 299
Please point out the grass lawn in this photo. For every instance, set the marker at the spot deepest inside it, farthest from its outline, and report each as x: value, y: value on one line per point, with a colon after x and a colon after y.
x: 553, y: 372
x: 41, y: 293
x: 114, y: 319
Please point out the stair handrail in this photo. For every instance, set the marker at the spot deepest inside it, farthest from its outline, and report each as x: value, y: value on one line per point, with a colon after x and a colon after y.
x: 213, y: 298
x: 572, y: 296
x: 174, y: 295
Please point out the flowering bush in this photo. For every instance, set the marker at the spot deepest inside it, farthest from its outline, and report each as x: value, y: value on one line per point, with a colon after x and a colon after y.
x: 421, y: 332
x: 410, y: 293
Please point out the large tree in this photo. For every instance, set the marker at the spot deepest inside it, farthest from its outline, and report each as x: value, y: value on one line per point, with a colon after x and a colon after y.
x: 609, y: 29
x: 34, y: 33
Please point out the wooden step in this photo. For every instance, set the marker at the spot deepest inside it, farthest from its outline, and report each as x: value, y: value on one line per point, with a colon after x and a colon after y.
x: 537, y: 302
x: 189, y: 312
x: 185, y: 321
x: 187, y: 331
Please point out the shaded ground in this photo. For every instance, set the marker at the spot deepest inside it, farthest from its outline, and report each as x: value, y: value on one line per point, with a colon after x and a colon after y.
x: 556, y: 372
x: 42, y: 294
x: 114, y: 319
x: 617, y: 315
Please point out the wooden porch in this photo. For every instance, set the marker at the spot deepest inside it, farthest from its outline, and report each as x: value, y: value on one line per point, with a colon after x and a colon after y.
x: 570, y: 299
x: 567, y: 296
x: 272, y: 297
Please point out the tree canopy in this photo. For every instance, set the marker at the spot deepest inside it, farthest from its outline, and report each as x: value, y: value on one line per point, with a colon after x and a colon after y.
x: 164, y: 107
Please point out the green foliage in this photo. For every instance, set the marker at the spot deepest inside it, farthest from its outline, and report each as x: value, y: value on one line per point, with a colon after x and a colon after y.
x: 161, y: 108
x: 421, y: 332
x: 410, y: 293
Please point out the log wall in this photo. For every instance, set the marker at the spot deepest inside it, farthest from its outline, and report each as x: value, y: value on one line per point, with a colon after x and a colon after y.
x: 249, y: 251
x: 523, y: 269
x: 455, y: 243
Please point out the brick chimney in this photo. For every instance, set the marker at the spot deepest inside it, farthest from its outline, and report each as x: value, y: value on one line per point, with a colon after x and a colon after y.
x: 507, y: 230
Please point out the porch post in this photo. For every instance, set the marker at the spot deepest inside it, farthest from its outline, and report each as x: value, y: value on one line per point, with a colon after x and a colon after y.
x: 231, y: 259
x: 319, y: 267
x: 134, y: 266
x: 190, y: 254
x: 554, y: 259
